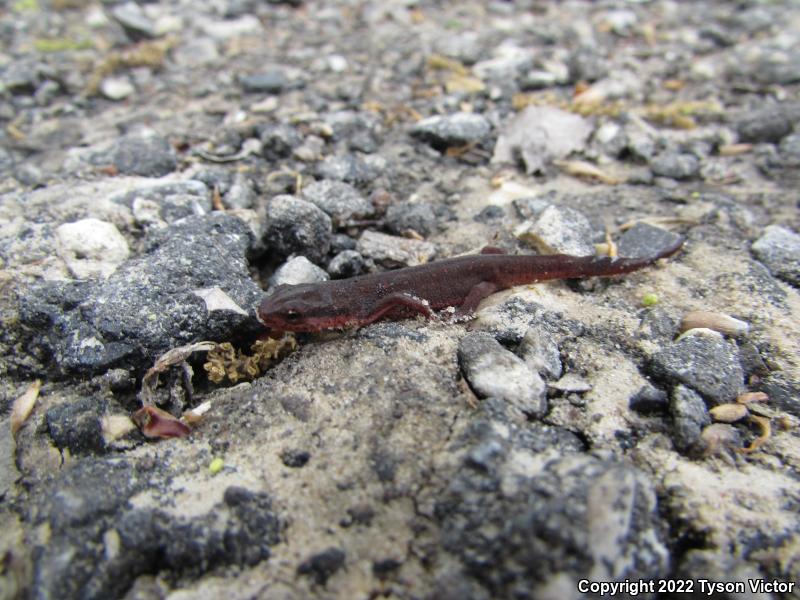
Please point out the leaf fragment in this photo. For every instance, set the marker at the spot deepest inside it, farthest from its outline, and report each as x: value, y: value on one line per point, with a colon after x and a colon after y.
x: 23, y: 406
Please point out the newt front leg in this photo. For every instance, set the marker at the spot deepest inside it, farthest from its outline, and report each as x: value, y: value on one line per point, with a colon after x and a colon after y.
x: 396, y: 300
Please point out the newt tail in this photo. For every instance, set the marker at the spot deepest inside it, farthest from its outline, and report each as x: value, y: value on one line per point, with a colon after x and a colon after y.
x: 460, y: 282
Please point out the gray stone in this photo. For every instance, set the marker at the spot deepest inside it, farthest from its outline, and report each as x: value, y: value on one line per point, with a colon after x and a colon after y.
x: 133, y: 20
x: 507, y: 63
x: 348, y: 263
x: 539, y: 350
x: 779, y: 249
x: 768, y: 124
x: 538, y: 79
x: 341, y: 201
x: 295, y: 226
x: 136, y: 154
x: 705, y: 362
x: 675, y: 165
x: 162, y: 204
x: 89, y: 514
x: 776, y: 66
x: 272, y: 81
x: 790, y: 151
x: 278, y: 140
x: 464, y: 46
x: 587, y: 64
x: 91, y: 248
x: 352, y: 168
x: 559, y: 229
x: 321, y: 566
x: 540, y: 134
x: 524, y: 511
x: 643, y: 240
x: 490, y: 214
x: 491, y: 370
x: 393, y: 251
x: 117, y: 88
x: 649, y: 400
x: 689, y: 417
x: 415, y: 216
x: 149, y: 304
x: 241, y: 193
x: 76, y: 426
x: 298, y: 270
x: 458, y: 129
x: 23, y: 76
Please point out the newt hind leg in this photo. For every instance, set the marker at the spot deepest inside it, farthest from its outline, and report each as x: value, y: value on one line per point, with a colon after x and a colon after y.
x: 473, y: 299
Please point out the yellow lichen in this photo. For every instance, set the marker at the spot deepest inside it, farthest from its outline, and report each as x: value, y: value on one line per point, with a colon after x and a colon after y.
x: 226, y: 362
x: 145, y: 54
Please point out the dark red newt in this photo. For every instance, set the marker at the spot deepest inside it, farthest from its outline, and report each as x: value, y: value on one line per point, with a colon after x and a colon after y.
x: 460, y: 282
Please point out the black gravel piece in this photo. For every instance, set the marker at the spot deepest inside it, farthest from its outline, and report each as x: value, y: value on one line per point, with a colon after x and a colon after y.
x: 295, y: 226
x: 321, y: 566
x: 706, y: 363
x: 149, y: 304
x: 146, y: 155
x: 76, y: 426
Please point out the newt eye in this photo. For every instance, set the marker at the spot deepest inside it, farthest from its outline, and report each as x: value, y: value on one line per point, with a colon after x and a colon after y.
x: 292, y: 315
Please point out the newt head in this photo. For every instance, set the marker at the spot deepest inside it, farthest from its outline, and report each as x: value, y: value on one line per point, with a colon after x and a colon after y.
x: 302, y: 307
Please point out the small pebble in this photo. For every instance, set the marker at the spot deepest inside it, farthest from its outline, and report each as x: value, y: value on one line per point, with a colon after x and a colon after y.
x: 459, y: 129
x: 298, y: 270
x: 116, y: 88
x: 91, y: 248
x: 649, y: 400
x: 341, y: 201
x: 411, y: 216
x: 295, y: 226
x: 559, y: 229
x: 704, y: 361
x: 779, y: 249
x: 348, y: 263
x: 675, y: 165
x: 393, y: 251
x: 148, y: 155
x: 689, y: 417
x: 540, y: 352
x: 644, y: 240
x: 491, y: 370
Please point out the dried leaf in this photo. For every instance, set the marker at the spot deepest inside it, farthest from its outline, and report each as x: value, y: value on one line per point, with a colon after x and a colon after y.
x: 585, y: 170
x: 713, y: 320
x: 24, y: 405
x: 766, y: 432
x: 748, y: 397
x: 157, y: 423
x: 728, y: 413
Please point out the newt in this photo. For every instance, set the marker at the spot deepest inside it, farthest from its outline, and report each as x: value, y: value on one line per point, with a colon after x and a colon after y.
x: 460, y: 282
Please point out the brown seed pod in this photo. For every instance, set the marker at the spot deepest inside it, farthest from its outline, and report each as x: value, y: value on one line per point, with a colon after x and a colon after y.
x: 157, y: 423
x: 728, y: 413
x: 752, y: 397
x: 715, y: 321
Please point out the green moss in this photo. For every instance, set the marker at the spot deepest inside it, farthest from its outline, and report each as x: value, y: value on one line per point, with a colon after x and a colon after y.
x: 62, y: 44
x: 215, y: 466
x: 650, y: 299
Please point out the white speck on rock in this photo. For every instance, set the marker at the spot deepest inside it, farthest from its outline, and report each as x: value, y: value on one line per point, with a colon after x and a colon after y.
x: 91, y: 247
x: 216, y: 299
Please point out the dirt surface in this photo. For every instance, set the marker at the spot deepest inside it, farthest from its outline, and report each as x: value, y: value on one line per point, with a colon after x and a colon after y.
x: 164, y: 163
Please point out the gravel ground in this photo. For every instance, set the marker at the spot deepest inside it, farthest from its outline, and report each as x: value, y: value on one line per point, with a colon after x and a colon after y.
x: 163, y: 163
